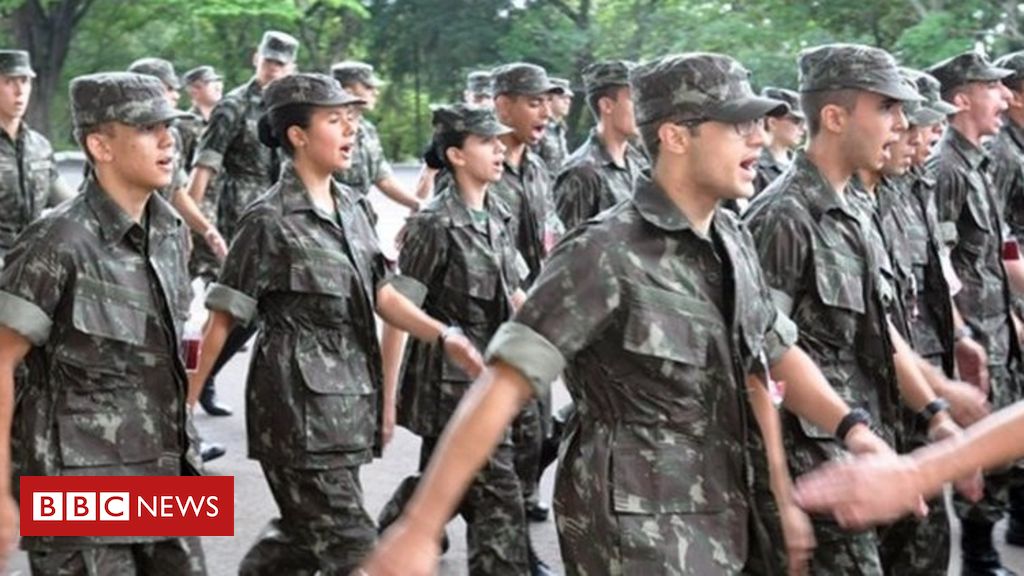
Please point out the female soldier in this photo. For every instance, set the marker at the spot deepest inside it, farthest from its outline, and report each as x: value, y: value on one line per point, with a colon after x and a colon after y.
x: 306, y: 266
x: 463, y: 264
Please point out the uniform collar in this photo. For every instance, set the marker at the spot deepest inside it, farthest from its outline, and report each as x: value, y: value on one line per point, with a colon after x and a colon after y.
x: 295, y: 197
x: 114, y: 222
x: 458, y: 211
x: 974, y: 156
x: 821, y: 197
x: 1015, y: 132
x: 656, y: 207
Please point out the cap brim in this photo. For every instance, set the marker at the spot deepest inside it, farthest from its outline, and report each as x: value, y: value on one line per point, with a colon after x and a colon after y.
x: 993, y: 73
x: 20, y: 71
x: 282, y: 57
x: 749, y: 108
x: 156, y: 116
x: 926, y: 116
x: 492, y: 129
x: 897, y: 91
x: 943, y: 107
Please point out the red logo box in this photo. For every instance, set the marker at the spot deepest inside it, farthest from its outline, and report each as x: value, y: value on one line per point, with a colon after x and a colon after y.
x: 127, y: 506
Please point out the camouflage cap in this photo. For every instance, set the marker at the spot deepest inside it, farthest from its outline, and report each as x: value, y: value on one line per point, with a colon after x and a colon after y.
x: 465, y: 118
x: 478, y: 82
x: 124, y: 97
x: 351, y: 72
x: 16, y: 63
x: 201, y: 74
x: 698, y: 86
x: 1013, y: 61
x: 521, y: 78
x: 158, y: 68
x: 278, y: 46
x: 788, y: 96
x: 307, y: 88
x: 605, y: 73
x: 929, y: 89
x: 966, y: 68
x: 852, y: 66
x: 564, y: 84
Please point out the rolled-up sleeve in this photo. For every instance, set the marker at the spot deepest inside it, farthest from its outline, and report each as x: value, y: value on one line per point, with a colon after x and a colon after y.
x: 33, y: 283
x: 423, y: 256
x: 781, y: 336
x: 218, y: 135
x: 532, y: 355
x: 25, y: 318
x: 238, y: 304
x: 249, y: 267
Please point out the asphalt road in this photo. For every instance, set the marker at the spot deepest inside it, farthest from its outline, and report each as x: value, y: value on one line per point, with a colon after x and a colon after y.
x: 254, y: 505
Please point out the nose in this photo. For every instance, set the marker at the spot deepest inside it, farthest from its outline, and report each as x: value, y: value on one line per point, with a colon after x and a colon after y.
x: 901, y: 123
x: 500, y: 147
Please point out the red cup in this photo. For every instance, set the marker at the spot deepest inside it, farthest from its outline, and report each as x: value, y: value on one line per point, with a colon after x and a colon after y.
x: 190, y: 348
x: 1011, y: 250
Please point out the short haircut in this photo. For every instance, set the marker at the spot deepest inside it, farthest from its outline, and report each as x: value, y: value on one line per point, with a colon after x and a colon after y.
x: 814, y: 102
x: 611, y: 91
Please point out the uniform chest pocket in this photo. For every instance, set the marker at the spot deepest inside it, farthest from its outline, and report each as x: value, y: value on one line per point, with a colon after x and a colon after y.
x: 839, y: 279
x: 110, y: 311
x: 320, y: 272
x: 978, y: 208
x: 661, y: 324
x: 477, y: 281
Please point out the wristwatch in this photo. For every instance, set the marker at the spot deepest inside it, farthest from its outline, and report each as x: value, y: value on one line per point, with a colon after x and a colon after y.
x: 852, y: 418
x: 447, y: 333
x: 934, y: 407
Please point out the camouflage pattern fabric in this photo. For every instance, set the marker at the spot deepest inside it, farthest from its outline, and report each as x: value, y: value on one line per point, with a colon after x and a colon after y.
x: 125, y: 97
x: 1007, y: 172
x: 553, y: 147
x: 352, y: 72
x: 16, y: 63
x: 323, y: 527
x: 159, y: 68
x: 591, y: 181
x: 965, y: 68
x: 369, y: 165
x: 104, y: 301
x: 853, y: 66
x: 309, y: 281
x: 526, y: 191
x: 278, y: 46
x: 521, y: 78
x: 817, y: 255
x: 29, y: 182
x: 230, y: 146
x: 174, y: 557
x: 606, y: 73
x: 768, y: 170
x: 653, y: 477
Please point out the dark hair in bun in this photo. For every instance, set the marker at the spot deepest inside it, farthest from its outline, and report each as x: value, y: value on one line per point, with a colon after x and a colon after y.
x: 273, y: 126
x: 442, y: 141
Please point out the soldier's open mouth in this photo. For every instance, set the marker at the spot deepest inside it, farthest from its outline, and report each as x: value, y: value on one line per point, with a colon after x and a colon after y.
x: 749, y: 165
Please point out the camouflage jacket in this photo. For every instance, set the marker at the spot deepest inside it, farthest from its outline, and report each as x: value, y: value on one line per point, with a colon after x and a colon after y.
x: 656, y: 326
x: 825, y: 271
x: 553, y: 148
x: 191, y: 131
x: 309, y: 280
x: 103, y: 301
x: 1007, y: 171
x: 526, y: 191
x: 966, y: 198
x: 591, y: 182
x: 369, y: 165
x: 768, y: 170
x: 230, y: 146
x: 29, y: 182
x: 463, y: 272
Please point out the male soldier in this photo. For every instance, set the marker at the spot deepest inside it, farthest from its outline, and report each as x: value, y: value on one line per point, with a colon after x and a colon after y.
x: 29, y: 180
x: 478, y: 89
x: 553, y: 147
x: 669, y: 322
x: 230, y: 149
x: 602, y: 171
x: 784, y: 135
x: 369, y: 166
x: 968, y: 202
x: 205, y: 89
x: 824, y: 270
x: 94, y: 297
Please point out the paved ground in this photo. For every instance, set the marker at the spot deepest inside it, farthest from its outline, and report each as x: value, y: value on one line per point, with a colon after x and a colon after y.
x: 254, y: 505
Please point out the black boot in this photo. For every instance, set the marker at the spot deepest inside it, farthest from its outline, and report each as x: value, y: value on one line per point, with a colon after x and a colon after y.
x: 211, y: 451
x: 537, y: 566
x: 980, y: 557
x: 1015, y: 527
x: 208, y: 400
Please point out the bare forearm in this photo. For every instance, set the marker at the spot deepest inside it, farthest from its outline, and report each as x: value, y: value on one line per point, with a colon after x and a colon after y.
x: 914, y: 386
x: 401, y: 313
x: 425, y: 185
x: 190, y: 212
x: 393, y: 190
x: 808, y: 393
x: 392, y: 343
x: 767, y: 418
x: 218, y: 326
x: 198, y: 182
x: 1015, y: 274
x: 470, y: 437
x: 6, y: 417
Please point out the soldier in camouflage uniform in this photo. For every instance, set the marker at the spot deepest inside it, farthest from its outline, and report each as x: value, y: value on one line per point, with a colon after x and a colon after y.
x: 29, y: 179
x: 459, y: 261
x: 826, y: 268
x: 602, y: 171
x: 668, y: 317
x: 306, y: 267
x: 94, y: 297
x: 369, y: 166
x: 234, y: 168
x: 553, y: 147
x: 784, y: 135
x: 968, y: 202
x: 478, y: 89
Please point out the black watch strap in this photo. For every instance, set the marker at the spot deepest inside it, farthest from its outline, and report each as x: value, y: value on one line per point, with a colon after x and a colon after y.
x: 852, y: 418
x: 932, y: 408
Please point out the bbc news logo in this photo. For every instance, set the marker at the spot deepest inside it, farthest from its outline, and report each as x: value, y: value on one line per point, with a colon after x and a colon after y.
x: 127, y: 506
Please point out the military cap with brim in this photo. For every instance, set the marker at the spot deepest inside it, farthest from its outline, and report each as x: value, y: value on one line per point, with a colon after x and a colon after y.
x: 307, y: 89
x: 852, y: 67
x: 606, y: 73
x: 698, y: 87
x: 564, y: 84
x: 1013, y: 61
x: 966, y: 68
x: 478, y: 82
x: 522, y: 78
x: 788, y: 96
x: 125, y: 97
x: 201, y: 74
x: 278, y: 46
x: 16, y: 63
x: 157, y: 67
x: 351, y: 72
x: 929, y: 89
x: 464, y: 118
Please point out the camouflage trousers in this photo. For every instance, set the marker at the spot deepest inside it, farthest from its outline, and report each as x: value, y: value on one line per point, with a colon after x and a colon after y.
x: 496, y: 532
x: 175, y: 557
x: 323, y: 526
x: 528, y: 438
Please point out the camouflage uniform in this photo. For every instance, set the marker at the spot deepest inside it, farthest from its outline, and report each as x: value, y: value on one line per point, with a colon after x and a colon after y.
x: 369, y: 165
x: 308, y: 280
x: 202, y: 263
x: 665, y: 323
x: 768, y: 167
x: 103, y: 299
x: 553, y: 148
x: 163, y: 70
x: 461, y: 266
x: 478, y: 82
x: 591, y: 181
x: 29, y: 179
x: 824, y: 267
